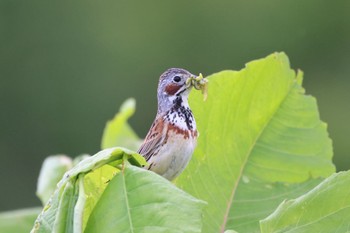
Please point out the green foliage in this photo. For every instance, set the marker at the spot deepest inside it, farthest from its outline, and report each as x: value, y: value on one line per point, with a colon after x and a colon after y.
x: 88, y: 190
x: 144, y: 202
x: 261, y: 142
x: 64, y: 74
x: 326, y: 208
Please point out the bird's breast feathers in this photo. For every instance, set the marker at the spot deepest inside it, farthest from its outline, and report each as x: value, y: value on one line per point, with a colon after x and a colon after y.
x: 175, y: 153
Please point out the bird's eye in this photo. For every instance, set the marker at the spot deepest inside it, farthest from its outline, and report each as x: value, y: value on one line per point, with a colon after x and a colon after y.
x: 177, y: 79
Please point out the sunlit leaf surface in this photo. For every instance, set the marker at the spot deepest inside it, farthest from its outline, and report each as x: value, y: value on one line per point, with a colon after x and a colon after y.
x: 261, y: 141
x: 137, y: 200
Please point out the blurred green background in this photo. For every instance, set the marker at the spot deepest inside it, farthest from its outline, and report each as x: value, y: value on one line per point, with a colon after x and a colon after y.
x: 66, y: 66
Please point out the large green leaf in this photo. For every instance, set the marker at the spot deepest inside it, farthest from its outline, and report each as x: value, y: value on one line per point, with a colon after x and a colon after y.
x: 326, y: 208
x: 261, y: 141
x: 137, y: 200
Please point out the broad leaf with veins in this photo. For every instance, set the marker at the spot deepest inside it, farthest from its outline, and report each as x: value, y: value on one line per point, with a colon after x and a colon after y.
x: 261, y: 141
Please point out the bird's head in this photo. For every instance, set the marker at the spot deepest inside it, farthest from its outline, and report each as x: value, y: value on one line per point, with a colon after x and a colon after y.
x: 173, y: 82
x: 173, y: 86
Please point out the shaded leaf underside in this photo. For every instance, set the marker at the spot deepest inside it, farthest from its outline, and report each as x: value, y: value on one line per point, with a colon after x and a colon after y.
x: 326, y: 208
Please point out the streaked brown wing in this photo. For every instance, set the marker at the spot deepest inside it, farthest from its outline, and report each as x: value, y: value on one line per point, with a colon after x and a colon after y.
x: 155, y: 138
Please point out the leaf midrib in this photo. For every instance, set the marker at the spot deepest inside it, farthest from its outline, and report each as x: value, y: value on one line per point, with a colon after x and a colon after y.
x: 222, y: 228
x: 127, y: 202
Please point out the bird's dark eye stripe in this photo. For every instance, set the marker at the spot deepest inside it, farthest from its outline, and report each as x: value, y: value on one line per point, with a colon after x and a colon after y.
x: 177, y: 79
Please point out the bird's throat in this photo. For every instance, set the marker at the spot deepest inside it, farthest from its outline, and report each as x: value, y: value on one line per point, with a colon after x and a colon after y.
x: 180, y: 115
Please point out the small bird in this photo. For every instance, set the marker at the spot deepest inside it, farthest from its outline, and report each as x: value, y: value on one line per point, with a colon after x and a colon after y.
x: 172, y: 138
